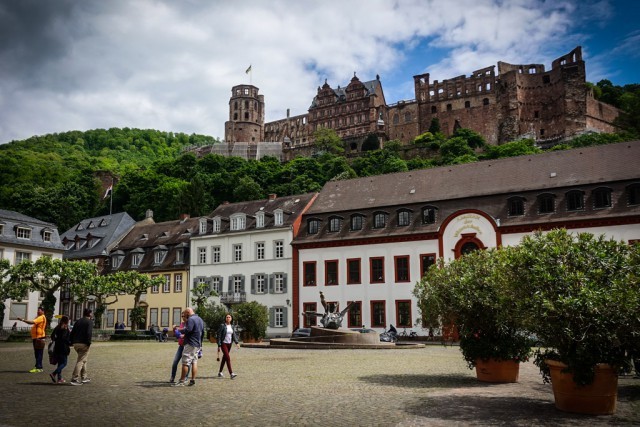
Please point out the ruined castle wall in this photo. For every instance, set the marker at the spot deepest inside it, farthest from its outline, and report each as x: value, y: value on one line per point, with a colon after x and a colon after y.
x: 295, y: 128
x: 600, y: 116
x: 403, y: 122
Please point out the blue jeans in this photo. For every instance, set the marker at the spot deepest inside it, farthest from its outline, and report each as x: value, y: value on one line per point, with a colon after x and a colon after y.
x: 62, y: 363
x: 176, y: 361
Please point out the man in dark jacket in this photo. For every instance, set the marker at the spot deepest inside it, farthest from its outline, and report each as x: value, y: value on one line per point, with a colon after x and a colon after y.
x: 81, y: 340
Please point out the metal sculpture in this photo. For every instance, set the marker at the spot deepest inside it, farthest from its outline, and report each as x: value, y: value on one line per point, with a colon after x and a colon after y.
x: 330, y: 319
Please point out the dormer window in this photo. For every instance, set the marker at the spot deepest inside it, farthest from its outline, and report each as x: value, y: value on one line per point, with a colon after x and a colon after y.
x: 238, y: 222
x: 356, y: 222
x: 516, y: 206
x: 159, y: 254
x: 379, y: 220
x: 179, y: 256
x: 46, y: 235
x: 116, y: 259
x: 136, y: 257
x: 428, y: 215
x: 145, y: 236
x: 79, y: 227
x: 278, y: 217
x: 91, y: 225
x: 575, y: 200
x: 602, y: 198
x: 334, y: 224
x: 23, y: 233
x: 203, y: 226
x: 103, y: 223
x: 260, y: 220
x: 216, y: 225
x: 404, y: 218
x: 313, y: 226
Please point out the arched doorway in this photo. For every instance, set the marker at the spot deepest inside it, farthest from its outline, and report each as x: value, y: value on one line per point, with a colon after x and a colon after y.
x: 468, y: 243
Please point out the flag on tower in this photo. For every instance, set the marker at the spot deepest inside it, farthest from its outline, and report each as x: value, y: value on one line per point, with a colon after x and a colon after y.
x: 108, y: 192
x: 248, y: 70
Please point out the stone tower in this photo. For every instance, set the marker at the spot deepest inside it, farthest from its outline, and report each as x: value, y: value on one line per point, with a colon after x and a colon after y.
x: 246, y: 115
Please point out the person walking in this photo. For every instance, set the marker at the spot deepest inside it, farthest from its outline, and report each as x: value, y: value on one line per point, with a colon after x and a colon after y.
x: 61, y: 348
x: 38, y: 336
x: 178, y: 355
x: 81, y: 340
x: 226, y: 336
x: 193, y: 331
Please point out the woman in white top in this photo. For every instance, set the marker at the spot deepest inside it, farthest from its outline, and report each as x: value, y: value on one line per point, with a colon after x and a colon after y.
x: 226, y: 336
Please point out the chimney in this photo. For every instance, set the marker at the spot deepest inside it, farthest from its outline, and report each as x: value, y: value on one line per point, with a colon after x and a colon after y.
x: 226, y: 202
x: 148, y: 214
x: 272, y: 197
x: 184, y: 217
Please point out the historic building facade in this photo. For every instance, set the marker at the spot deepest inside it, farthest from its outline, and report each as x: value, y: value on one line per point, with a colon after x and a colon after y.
x: 23, y: 238
x: 243, y: 252
x: 369, y: 240
x: 158, y: 250
x: 519, y: 101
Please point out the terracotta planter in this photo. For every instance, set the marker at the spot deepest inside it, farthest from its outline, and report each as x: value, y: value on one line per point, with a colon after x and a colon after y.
x: 497, y: 371
x: 597, y: 398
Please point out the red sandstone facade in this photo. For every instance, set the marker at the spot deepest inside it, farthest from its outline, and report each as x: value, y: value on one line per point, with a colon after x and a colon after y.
x: 521, y: 101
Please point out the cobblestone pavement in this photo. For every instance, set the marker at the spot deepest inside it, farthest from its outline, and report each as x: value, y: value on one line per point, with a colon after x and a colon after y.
x: 279, y: 387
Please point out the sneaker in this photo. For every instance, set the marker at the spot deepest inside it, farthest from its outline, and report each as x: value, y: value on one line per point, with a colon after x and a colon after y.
x: 34, y: 370
x: 220, y: 375
x: 178, y: 384
x: 86, y: 380
x: 61, y: 381
x: 53, y: 377
x: 192, y: 383
x: 233, y: 376
x: 75, y: 382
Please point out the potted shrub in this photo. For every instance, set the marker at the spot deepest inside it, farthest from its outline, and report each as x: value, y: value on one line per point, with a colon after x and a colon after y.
x: 579, y: 294
x: 469, y: 292
x: 213, y: 316
x: 253, y: 319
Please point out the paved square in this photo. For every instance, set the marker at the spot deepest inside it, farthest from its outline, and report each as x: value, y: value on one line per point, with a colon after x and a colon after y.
x: 276, y: 387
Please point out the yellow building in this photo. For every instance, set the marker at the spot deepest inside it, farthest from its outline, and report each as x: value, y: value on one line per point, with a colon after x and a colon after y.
x: 158, y: 250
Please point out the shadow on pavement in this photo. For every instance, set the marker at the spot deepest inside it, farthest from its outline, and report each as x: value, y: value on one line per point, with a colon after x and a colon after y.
x: 424, y: 381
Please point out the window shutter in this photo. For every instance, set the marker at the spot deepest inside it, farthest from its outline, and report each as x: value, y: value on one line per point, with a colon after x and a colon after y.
x: 271, y: 283
x: 253, y: 283
x: 230, y: 285
x: 285, y: 317
x: 242, y: 283
x: 284, y: 283
x: 272, y: 317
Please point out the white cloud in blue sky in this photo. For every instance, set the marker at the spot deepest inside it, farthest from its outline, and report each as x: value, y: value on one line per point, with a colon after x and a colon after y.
x: 167, y: 65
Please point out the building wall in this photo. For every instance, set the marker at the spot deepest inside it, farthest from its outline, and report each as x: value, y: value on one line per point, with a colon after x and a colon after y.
x: 249, y: 266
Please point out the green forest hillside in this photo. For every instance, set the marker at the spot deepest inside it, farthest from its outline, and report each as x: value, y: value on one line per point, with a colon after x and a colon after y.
x: 56, y: 177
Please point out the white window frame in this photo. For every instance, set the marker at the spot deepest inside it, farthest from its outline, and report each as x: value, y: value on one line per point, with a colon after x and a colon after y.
x: 22, y: 256
x: 261, y: 283
x: 216, y: 283
x: 278, y: 317
x: 237, y: 252
x: 278, y: 251
x: 216, y: 225
x: 237, y: 284
x: 216, y: 254
x: 46, y: 236
x: 278, y: 283
x: 202, y: 255
x: 278, y: 217
x: 136, y: 259
x: 179, y: 256
x: 158, y: 256
x: 177, y: 279
x: 238, y: 222
x: 203, y: 226
x: 23, y: 233
x: 260, y: 251
x: 166, y: 288
x: 260, y: 220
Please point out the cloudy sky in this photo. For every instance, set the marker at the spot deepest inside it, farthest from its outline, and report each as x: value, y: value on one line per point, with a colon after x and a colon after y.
x: 170, y: 65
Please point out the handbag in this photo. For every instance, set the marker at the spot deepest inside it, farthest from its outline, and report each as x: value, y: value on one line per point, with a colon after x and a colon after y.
x: 53, y: 359
x: 39, y: 343
x: 52, y: 347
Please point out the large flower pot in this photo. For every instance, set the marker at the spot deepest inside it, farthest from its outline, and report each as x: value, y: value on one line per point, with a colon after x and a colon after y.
x: 597, y: 398
x: 497, y: 371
